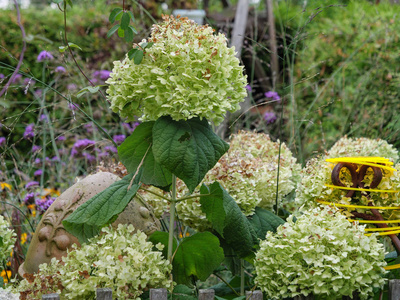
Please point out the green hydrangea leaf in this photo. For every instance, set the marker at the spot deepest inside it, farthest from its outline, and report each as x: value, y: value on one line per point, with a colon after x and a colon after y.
x: 1, y: 241
x: 196, y: 258
x: 87, y: 220
x: 212, y: 204
x: 138, y: 57
x: 237, y: 231
x: 188, y: 149
x: 162, y: 237
x: 263, y: 221
x: 132, y: 151
x: 121, y: 32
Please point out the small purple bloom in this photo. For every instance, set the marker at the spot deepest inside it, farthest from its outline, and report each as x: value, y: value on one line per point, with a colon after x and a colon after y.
x: 60, y: 69
x: 61, y: 138
x: 29, y: 133
x: 248, y: 87
x: 29, y: 81
x: 111, y: 149
x: 89, y: 157
x: 102, y: 74
x: 43, y: 204
x: 80, y: 146
x: 38, y: 161
x: 270, y: 117
x: 73, y: 106
x: 2, y: 76
x: 2, y: 141
x: 17, y: 78
x: 31, y: 184
x: 38, y: 172
x: 38, y: 93
x: 130, y: 128
x: 55, y: 158
x: 44, y: 118
x: 71, y: 87
x: 29, y: 198
x: 44, y: 55
x: 118, y: 139
x: 36, y: 148
x: 272, y: 95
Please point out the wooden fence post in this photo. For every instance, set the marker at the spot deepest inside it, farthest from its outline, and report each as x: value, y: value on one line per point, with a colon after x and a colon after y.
x: 206, y: 294
x: 394, y: 289
x: 158, y: 294
x: 104, y: 294
x: 254, y: 295
x: 51, y: 297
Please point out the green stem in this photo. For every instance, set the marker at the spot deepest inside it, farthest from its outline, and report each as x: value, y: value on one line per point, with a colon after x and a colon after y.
x: 227, y: 284
x: 171, y: 219
x: 241, y: 277
x: 155, y: 193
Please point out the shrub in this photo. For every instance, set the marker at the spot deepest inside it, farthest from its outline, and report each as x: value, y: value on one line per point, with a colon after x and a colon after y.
x: 321, y: 254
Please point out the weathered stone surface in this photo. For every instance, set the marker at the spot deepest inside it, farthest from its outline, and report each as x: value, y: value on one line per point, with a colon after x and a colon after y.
x: 8, y: 295
x: 52, y: 240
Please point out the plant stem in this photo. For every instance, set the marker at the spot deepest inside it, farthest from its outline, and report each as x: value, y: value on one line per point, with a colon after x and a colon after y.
x: 154, y: 193
x: 227, y: 284
x: 241, y: 277
x: 191, y: 197
x: 171, y: 219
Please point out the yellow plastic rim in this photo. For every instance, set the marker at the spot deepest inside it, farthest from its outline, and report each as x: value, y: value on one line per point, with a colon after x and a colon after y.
x: 371, y: 161
x: 357, y: 206
x: 384, y: 233
x: 374, y: 222
x: 392, y: 267
x: 359, y: 189
x: 382, y: 229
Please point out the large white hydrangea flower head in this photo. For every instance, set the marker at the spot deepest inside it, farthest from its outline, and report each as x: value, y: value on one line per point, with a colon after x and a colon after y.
x: 7, y: 238
x: 321, y: 254
x: 188, y: 72
x: 120, y: 259
x: 248, y: 171
x: 317, y: 175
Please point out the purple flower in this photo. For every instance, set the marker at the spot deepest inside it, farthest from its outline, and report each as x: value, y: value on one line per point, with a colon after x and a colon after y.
x: 44, y: 203
x: 248, y: 87
x: 44, y: 118
x: 272, y: 95
x: 81, y: 145
x: 2, y: 76
x: 2, y: 141
x: 111, y: 149
x: 102, y: 74
x: 38, y: 161
x: 31, y: 184
x: 44, y: 55
x: 29, y: 133
x: 38, y: 93
x: 60, y: 69
x: 118, y: 139
x: 16, y: 79
x: 130, y: 128
x: 270, y: 117
x: 61, y: 138
x: 38, y: 172
x: 29, y: 81
x: 29, y: 198
x: 36, y: 148
x: 71, y: 87
x: 73, y: 106
x: 89, y: 157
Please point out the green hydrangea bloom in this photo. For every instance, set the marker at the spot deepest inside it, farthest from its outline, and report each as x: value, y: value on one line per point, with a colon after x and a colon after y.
x: 248, y: 171
x: 7, y: 238
x: 118, y: 259
x: 317, y: 174
x: 188, y: 72
x: 321, y: 254
x: 363, y: 147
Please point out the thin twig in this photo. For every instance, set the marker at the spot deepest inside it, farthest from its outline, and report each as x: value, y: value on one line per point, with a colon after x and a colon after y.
x: 21, y: 57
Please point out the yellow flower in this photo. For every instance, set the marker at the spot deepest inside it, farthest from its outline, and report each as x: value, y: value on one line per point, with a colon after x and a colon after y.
x: 6, y: 275
x: 4, y: 185
x: 23, y: 238
x: 51, y: 192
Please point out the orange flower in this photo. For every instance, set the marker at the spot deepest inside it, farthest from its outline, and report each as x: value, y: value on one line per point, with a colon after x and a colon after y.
x: 6, y: 275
